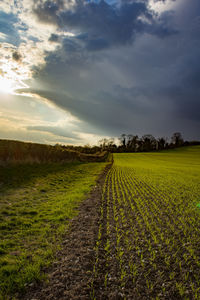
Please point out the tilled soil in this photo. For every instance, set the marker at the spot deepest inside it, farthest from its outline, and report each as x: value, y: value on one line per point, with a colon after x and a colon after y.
x: 71, y: 273
x: 124, y: 244
x: 134, y: 260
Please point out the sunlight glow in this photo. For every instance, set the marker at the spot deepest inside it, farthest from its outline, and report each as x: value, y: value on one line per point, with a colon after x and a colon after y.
x: 161, y: 6
x: 10, y: 86
x: 12, y: 76
x: 6, y: 85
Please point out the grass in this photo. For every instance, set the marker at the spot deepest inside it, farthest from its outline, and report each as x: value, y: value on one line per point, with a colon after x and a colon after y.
x: 36, y: 202
x: 149, y: 227
x: 16, y: 152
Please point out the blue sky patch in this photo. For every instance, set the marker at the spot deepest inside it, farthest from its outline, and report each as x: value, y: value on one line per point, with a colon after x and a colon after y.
x: 8, y: 27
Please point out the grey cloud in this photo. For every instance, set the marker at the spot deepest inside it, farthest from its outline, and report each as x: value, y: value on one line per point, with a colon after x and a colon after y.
x: 47, y: 11
x: 106, y: 111
x: 84, y: 43
x: 16, y: 56
x: 33, y: 38
x: 186, y: 95
x: 101, y: 20
x: 71, y: 45
x: 151, y: 85
x: 54, y: 37
x: 103, y: 25
x: 161, y: 26
x: 96, y: 44
x: 55, y: 130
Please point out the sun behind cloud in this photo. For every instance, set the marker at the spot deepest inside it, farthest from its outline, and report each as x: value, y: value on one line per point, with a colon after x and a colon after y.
x: 6, y: 85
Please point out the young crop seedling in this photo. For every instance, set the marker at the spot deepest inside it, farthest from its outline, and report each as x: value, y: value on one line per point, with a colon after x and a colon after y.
x: 153, y: 247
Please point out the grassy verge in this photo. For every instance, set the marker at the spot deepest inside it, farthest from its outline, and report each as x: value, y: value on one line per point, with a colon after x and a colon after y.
x: 16, y: 152
x: 36, y: 202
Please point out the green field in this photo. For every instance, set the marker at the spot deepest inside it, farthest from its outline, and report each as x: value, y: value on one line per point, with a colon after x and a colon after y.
x: 147, y: 242
x: 149, y: 239
x: 36, y: 202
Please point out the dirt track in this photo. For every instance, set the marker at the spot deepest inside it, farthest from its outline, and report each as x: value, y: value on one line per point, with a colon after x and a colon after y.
x: 71, y: 273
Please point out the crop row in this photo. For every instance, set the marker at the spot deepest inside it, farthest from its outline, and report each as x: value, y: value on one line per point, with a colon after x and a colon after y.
x: 148, y: 242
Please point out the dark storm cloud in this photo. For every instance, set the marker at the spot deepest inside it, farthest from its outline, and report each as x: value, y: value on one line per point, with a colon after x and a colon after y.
x: 104, y: 25
x: 115, y: 85
x: 106, y: 111
x: 102, y: 21
x: 161, y: 26
x: 47, y: 11
x: 96, y: 44
x: 186, y: 91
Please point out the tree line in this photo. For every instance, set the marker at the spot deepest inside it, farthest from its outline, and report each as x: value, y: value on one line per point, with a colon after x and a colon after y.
x: 134, y: 143
x: 146, y: 143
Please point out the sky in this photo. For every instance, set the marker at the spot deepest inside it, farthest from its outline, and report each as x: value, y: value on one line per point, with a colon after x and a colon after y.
x: 77, y: 71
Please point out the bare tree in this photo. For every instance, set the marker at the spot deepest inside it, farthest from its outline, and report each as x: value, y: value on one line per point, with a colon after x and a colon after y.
x: 132, y: 143
x: 149, y: 142
x: 107, y: 144
x: 177, y: 139
x: 161, y: 143
x: 123, y: 140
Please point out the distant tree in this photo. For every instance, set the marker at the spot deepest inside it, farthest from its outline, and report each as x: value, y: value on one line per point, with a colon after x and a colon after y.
x: 177, y: 139
x: 107, y: 144
x: 86, y: 149
x: 103, y: 143
x: 132, y: 143
x: 123, y: 140
x: 129, y: 140
x: 110, y: 144
x: 161, y: 143
x: 148, y: 142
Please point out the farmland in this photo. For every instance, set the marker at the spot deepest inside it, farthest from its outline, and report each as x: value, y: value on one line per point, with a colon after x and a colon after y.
x: 36, y: 203
x: 148, y: 237
x: 136, y: 236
